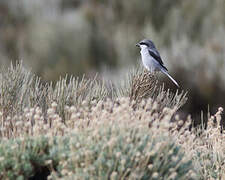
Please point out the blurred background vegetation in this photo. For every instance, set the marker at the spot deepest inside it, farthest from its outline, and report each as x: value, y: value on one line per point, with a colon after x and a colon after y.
x: 58, y: 37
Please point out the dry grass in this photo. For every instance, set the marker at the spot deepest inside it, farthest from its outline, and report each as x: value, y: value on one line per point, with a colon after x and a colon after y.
x: 109, y: 133
x: 143, y: 86
x: 79, y: 116
x: 207, y: 148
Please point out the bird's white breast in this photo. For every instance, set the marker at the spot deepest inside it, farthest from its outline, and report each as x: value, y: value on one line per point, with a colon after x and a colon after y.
x: 147, y: 60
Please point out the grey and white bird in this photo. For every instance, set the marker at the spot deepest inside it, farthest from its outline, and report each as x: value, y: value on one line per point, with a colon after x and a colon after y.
x: 151, y: 58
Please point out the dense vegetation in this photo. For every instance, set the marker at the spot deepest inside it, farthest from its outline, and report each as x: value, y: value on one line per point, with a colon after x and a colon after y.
x: 58, y: 126
x: 81, y: 129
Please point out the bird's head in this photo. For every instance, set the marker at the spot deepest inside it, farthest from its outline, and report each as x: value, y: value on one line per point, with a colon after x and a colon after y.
x: 145, y: 43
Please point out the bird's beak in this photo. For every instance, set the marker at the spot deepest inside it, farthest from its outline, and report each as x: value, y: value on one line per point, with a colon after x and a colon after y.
x: 138, y: 45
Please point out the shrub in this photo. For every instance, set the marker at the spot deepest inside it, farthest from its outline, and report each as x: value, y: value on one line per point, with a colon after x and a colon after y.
x: 20, y: 89
x: 123, y: 153
x: 73, y: 132
x: 86, y: 132
x: 23, y: 158
x: 105, y: 152
x: 206, y: 147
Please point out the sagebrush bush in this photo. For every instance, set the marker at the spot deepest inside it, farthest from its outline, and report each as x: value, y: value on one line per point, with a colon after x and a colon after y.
x: 125, y: 150
x: 207, y: 148
x: 23, y: 158
x: 20, y: 88
x: 123, y: 153
x: 71, y: 131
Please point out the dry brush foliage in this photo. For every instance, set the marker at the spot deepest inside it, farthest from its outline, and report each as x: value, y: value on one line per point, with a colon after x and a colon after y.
x: 77, y: 131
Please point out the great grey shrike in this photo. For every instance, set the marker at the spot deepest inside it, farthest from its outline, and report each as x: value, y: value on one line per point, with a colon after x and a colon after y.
x: 151, y: 58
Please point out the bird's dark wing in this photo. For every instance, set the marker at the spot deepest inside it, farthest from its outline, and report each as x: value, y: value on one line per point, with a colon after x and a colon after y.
x: 156, y: 56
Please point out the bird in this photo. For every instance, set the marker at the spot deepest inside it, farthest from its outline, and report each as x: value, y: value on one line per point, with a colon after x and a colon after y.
x: 151, y: 58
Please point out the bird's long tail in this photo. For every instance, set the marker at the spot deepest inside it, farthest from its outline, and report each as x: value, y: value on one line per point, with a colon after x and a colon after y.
x: 166, y: 73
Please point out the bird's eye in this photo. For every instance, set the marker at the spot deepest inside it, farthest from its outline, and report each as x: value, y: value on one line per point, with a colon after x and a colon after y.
x: 142, y: 43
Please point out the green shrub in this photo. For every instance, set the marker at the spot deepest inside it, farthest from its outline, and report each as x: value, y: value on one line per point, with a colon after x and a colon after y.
x: 117, y: 153
x: 22, y: 158
x: 102, y: 153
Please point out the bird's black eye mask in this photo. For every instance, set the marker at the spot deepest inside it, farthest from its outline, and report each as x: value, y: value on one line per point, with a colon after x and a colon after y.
x: 142, y: 43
